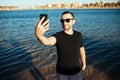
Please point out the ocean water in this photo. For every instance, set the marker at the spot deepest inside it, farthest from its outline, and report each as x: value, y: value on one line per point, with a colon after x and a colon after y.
x: 21, y: 51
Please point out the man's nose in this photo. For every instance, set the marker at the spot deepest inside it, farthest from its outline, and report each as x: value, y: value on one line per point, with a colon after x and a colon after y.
x: 65, y: 22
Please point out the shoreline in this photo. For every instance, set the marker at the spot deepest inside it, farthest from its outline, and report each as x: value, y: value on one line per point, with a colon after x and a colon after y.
x: 54, y: 9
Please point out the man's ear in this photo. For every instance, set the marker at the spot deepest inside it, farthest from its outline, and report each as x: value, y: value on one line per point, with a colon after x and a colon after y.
x: 74, y: 21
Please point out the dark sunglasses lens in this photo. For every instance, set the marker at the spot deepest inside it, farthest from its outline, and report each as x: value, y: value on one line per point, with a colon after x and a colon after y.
x: 67, y: 20
x: 62, y: 21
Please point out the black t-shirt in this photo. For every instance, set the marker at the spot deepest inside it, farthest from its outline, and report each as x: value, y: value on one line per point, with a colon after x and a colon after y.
x: 68, y: 49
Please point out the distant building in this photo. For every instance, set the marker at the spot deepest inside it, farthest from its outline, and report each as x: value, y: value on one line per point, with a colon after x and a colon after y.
x: 69, y: 5
x: 8, y: 8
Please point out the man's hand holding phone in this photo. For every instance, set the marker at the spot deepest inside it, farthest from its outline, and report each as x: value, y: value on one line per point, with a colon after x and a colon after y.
x: 42, y: 25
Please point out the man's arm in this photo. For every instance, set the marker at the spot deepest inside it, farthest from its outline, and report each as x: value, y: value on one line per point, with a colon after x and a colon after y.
x: 40, y: 30
x: 83, y: 57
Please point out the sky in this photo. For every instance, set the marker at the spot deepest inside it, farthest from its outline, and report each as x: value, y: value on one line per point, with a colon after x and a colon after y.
x: 44, y: 2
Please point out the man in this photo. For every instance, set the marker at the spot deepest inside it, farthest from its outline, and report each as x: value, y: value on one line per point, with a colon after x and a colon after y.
x: 69, y: 45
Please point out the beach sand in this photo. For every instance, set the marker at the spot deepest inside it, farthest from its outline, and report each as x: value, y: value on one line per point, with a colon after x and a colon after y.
x: 48, y: 72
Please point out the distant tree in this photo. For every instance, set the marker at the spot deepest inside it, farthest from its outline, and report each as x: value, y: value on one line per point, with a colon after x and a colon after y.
x: 96, y: 4
x: 91, y: 4
x: 102, y: 4
x: 112, y: 4
x: 118, y: 3
x: 71, y: 5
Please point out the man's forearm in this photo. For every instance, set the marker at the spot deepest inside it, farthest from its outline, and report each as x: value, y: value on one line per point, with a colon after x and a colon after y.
x: 83, y: 56
x: 44, y: 40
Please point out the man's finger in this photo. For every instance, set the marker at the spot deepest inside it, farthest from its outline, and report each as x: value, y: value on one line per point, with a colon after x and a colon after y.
x: 40, y: 21
x: 46, y: 27
x: 45, y: 23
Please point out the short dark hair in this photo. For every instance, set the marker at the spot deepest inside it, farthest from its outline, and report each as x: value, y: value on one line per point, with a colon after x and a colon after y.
x: 69, y: 13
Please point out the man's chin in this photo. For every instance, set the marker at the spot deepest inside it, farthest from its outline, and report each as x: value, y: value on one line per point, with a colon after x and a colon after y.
x: 67, y: 28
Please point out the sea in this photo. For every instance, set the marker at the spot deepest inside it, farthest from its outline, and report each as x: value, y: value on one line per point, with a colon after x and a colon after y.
x: 23, y: 57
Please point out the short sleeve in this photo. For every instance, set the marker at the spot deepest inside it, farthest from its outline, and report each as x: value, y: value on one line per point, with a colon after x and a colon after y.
x: 56, y: 35
x: 81, y: 40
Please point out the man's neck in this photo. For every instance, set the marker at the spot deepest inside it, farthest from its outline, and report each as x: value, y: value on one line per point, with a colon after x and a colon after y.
x: 69, y: 32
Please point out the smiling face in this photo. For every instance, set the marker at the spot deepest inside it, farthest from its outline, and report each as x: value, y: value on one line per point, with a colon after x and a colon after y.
x: 67, y: 21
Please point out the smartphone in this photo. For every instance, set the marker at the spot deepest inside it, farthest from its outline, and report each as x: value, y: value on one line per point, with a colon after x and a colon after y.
x: 44, y: 15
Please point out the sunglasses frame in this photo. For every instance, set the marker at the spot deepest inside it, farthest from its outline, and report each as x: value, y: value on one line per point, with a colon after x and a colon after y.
x: 67, y: 20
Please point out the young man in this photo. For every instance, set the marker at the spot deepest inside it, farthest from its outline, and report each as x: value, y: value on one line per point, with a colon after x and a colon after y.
x: 69, y: 45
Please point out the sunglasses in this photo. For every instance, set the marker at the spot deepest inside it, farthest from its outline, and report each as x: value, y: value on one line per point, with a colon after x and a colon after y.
x: 67, y: 20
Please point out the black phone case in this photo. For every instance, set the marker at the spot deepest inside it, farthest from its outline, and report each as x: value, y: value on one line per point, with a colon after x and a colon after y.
x: 44, y: 15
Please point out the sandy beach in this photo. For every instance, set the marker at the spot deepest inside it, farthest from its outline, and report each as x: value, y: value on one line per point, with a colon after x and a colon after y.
x: 91, y: 73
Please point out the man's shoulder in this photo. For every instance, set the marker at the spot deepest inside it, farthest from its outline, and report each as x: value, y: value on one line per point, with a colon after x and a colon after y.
x: 57, y: 34
x: 60, y: 32
x: 77, y: 32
